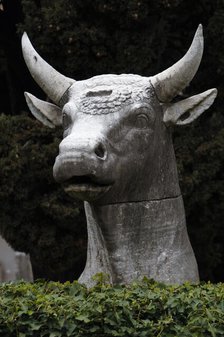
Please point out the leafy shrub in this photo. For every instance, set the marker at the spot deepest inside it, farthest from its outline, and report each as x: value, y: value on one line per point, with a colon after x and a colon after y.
x: 142, y: 309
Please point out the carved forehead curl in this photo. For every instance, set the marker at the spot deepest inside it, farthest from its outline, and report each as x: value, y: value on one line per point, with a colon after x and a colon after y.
x: 110, y: 99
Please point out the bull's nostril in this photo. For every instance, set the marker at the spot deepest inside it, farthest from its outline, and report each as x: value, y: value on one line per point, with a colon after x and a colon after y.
x: 100, y: 151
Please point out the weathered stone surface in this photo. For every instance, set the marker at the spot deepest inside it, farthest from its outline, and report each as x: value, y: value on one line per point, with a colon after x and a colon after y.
x: 135, y: 239
x: 130, y: 137
x: 117, y: 155
x: 14, y: 265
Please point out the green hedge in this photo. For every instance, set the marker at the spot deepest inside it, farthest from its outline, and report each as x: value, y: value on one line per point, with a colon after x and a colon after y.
x: 142, y: 309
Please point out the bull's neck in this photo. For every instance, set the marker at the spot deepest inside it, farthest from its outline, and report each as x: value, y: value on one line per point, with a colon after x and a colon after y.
x: 133, y: 239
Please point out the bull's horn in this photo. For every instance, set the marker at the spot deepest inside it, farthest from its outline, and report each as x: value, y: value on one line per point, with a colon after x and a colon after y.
x: 173, y: 80
x: 50, y: 80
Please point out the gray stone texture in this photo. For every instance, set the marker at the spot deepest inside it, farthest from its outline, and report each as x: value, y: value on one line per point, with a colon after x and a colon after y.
x: 117, y: 156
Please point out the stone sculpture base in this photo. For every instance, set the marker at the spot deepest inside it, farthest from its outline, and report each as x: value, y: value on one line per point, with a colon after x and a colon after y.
x: 130, y: 240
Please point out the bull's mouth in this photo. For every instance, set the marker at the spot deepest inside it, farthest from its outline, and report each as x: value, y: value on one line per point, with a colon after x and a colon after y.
x: 85, y: 187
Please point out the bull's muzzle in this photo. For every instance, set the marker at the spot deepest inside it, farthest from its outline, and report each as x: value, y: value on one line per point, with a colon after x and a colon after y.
x: 82, y: 166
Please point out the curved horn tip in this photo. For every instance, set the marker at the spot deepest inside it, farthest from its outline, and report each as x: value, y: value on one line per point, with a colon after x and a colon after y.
x: 54, y: 84
x: 24, y: 34
x: 26, y: 43
x: 199, y: 29
x: 199, y: 33
x: 173, y: 80
x: 24, y: 38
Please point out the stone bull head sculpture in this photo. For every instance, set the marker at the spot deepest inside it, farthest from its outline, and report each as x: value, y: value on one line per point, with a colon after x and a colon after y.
x: 117, y: 156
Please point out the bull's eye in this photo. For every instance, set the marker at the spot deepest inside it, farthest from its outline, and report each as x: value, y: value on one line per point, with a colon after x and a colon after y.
x: 142, y: 121
x: 66, y: 120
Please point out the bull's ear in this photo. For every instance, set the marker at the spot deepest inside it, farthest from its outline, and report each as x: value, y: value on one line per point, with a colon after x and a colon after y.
x: 186, y: 111
x: 47, y: 113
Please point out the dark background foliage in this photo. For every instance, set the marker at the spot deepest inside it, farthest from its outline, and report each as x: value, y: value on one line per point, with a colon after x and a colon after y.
x: 84, y: 38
